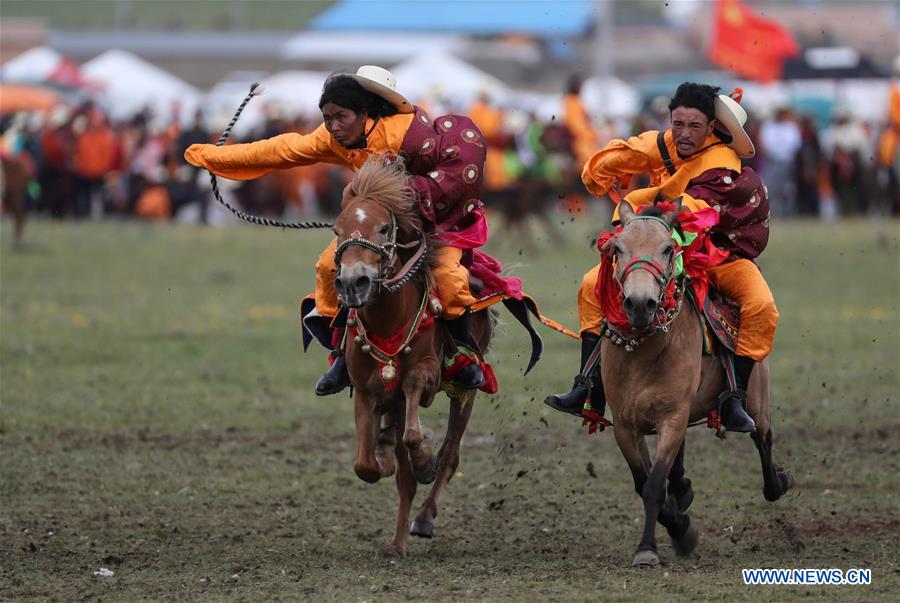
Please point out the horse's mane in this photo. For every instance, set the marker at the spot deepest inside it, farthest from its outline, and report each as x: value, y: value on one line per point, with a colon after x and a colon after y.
x: 654, y: 211
x: 385, y: 181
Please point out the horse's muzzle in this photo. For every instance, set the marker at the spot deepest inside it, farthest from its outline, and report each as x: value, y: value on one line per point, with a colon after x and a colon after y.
x: 354, y: 285
x: 640, y: 311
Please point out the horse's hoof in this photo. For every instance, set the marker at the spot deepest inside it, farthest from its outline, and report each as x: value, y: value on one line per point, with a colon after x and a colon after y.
x: 426, y: 473
x: 393, y: 551
x: 422, y: 528
x: 685, y: 499
x: 685, y: 545
x: 787, y: 481
x: 645, y: 559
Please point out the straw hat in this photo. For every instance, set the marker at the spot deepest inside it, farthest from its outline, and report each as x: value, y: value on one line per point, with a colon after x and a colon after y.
x: 382, y: 82
x: 732, y: 116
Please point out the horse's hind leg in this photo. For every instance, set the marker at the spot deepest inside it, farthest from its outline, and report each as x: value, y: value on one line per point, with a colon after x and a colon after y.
x: 424, y: 464
x: 448, y: 461
x: 775, y: 481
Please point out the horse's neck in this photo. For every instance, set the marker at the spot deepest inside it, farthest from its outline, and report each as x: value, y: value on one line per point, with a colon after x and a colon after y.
x: 391, y: 311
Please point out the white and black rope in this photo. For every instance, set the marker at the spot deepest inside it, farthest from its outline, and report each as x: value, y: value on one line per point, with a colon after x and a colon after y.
x: 255, y: 90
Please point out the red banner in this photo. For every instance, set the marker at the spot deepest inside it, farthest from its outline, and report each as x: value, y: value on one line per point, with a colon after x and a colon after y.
x: 747, y: 44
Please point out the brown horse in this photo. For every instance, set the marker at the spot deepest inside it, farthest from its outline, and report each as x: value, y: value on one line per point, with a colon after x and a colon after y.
x: 657, y: 386
x: 379, y: 236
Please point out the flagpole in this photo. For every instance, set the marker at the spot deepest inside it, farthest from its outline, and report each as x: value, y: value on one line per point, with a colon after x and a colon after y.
x: 603, y: 50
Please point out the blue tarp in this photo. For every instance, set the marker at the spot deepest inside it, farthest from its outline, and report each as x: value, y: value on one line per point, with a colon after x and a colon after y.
x: 540, y: 18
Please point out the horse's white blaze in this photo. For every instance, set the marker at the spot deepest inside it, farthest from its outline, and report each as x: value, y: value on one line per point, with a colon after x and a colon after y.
x: 361, y: 214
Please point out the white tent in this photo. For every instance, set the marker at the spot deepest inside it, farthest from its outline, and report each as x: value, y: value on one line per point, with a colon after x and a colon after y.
x: 285, y: 94
x: 611, y: 97
x: 132, y: 84
x: 295, y: 92
x: 443, y: 75
x: 35, y: 65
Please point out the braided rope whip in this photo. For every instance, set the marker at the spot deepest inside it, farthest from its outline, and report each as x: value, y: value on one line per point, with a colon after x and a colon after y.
x: 255, y: 90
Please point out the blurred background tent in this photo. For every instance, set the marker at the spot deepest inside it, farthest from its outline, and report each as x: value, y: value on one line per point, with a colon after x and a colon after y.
x: 133, y: 85
x: 440, y: 74
x: 35, y: 65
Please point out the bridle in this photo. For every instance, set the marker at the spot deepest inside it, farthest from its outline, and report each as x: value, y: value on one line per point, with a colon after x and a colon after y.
x: 664, y: 277
x: 388, y: 253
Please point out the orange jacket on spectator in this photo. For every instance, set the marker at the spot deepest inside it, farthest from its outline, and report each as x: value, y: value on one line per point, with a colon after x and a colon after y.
x: 94, y: 152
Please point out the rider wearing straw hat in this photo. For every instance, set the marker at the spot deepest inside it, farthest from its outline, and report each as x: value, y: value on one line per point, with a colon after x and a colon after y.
x: 699, y: 159
x: 364, y: 115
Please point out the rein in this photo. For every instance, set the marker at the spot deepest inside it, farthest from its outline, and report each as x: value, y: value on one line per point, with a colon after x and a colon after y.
x: 255, y: 90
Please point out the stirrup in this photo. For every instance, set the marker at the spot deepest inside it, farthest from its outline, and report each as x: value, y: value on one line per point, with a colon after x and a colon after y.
x: 739, y: 420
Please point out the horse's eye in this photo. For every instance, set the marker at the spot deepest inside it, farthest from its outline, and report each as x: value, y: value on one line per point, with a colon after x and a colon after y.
x: 617, y: 250
x: 668, y: 251
x: 383, y: 231
x: 334, y: 230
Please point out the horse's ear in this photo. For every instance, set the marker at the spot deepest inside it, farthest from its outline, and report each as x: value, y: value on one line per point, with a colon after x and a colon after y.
x: 625, y: 212
x: 348, y: 194
x: 671, y: 214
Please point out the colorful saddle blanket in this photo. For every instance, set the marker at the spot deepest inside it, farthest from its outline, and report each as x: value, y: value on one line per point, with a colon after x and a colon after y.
x: 721, y: 320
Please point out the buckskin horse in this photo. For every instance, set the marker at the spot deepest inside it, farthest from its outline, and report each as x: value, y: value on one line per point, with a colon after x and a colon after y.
x: 662, y: 382
x: 394, y: 343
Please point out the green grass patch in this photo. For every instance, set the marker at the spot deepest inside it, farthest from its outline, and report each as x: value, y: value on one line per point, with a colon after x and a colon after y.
x: 157, y: 419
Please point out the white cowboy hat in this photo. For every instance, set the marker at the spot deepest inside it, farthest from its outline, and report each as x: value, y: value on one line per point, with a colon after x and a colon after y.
x: 732, y: 116
x: 382, y: 82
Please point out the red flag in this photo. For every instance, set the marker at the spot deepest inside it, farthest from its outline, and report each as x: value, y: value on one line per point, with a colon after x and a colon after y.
x: 749, y: 45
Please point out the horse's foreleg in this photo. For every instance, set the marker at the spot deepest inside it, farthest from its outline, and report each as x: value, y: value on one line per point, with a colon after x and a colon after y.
x: 448, y: 461
x: 415, y: 386
x: 406, y: 491
x: 669, y: 442
x: 680, y: 486
x: 366, y: 464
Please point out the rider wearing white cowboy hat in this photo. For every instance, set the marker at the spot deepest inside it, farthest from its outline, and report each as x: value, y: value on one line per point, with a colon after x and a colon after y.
x: 365, y: 115
x: 699, y: 159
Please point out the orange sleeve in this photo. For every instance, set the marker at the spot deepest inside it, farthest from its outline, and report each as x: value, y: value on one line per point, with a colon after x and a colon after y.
x: 256, y: 159
x: 637, y: 155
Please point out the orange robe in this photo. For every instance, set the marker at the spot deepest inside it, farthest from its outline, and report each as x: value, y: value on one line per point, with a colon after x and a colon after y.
x: 739, y: 279
x: 577, y: 120
x: 490, y: 121
x: 256, y: 159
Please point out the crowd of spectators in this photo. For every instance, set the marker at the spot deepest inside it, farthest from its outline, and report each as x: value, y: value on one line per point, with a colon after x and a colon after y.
x: 83, y: 166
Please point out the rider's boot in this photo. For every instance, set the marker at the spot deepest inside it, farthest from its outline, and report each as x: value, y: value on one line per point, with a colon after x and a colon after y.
x: 336, y: 378
x: 469, y: 376
x: 573, y: 401
x: 732, y: 403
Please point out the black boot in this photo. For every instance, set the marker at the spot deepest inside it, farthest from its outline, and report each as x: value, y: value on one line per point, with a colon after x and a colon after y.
x: 573, y: 401
x: 335, y: 379
x: 470, y: 376
x: 732, y: 404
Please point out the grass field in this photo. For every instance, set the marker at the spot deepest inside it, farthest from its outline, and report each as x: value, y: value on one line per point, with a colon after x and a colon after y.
x: 158, y: 420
